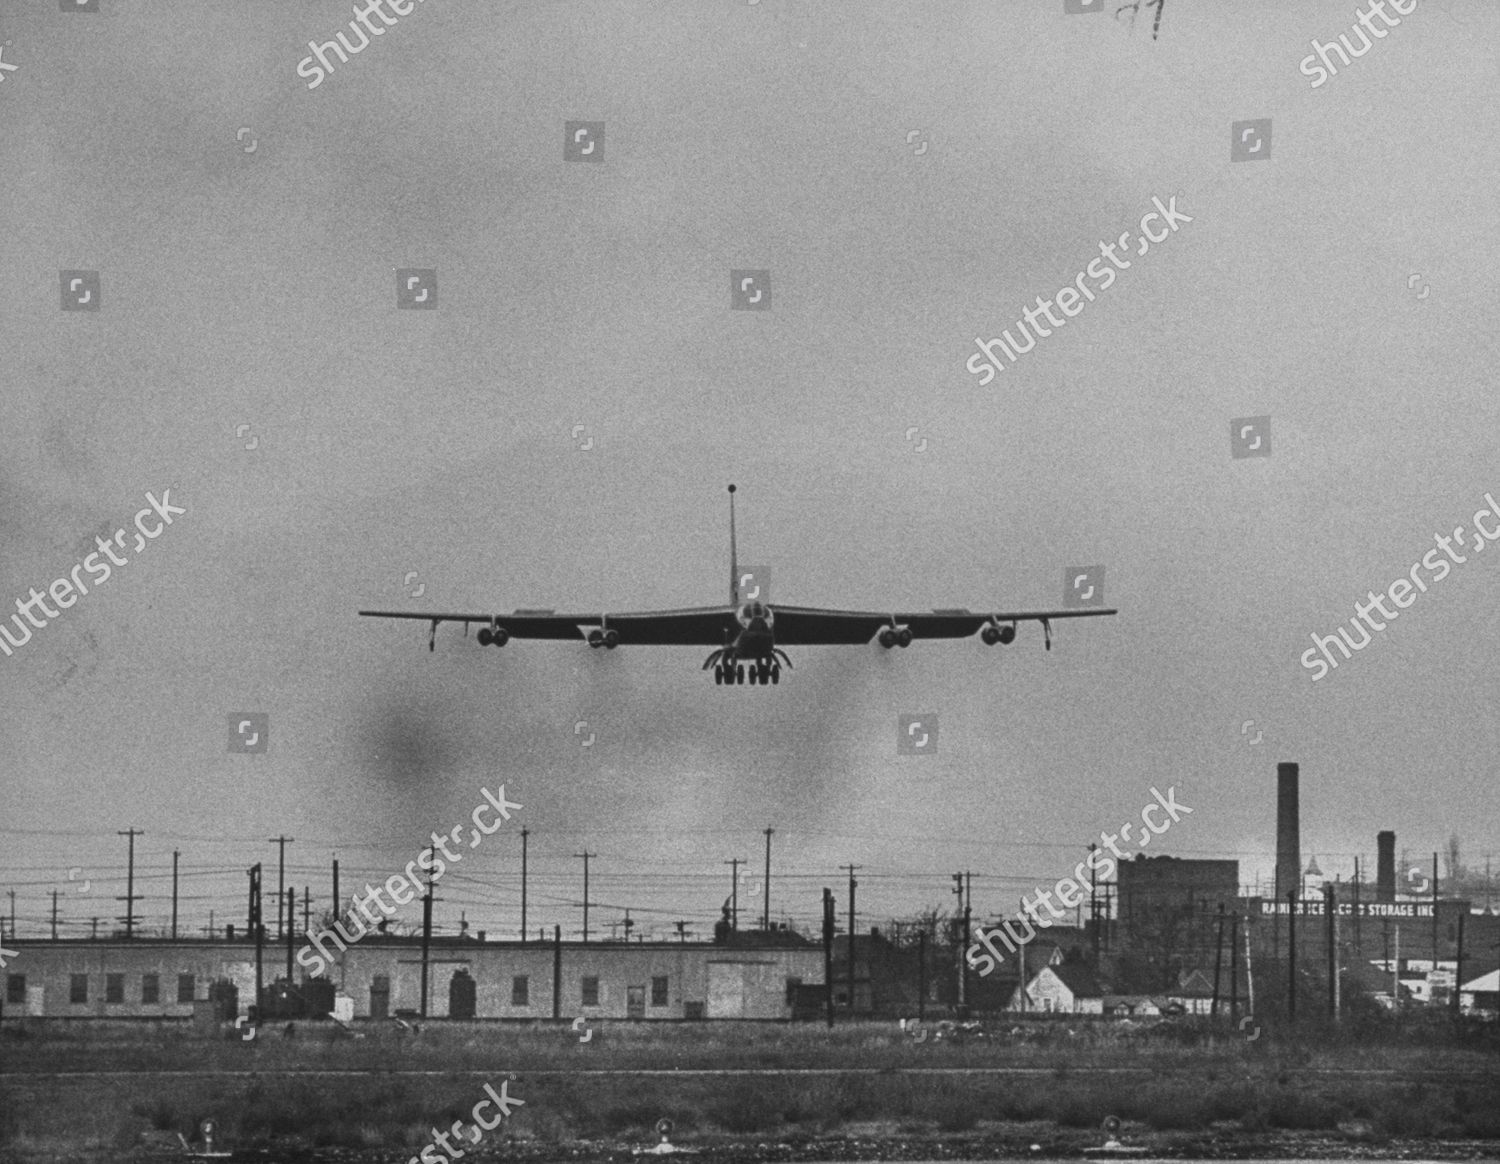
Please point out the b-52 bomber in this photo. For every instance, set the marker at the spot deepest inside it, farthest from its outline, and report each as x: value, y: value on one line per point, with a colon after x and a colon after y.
x: 747, y: 634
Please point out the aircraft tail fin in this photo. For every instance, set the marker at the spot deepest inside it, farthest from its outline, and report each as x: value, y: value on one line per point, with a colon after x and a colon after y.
x: 734, y: 566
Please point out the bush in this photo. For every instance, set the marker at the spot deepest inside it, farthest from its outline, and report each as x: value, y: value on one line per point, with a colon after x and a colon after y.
x: 1295, y: 1110
x: 745, y: 1109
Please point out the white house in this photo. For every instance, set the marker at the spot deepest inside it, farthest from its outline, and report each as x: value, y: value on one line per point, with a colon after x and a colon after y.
x: 1067, y: 988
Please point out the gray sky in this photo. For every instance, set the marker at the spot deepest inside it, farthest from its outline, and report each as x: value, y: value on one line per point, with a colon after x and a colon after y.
x: 257, y: 288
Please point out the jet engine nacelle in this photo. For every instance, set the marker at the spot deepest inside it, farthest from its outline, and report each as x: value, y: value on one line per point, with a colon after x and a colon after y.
x: 993, y: 634
x: 493, y: 636
x: 895, y: 637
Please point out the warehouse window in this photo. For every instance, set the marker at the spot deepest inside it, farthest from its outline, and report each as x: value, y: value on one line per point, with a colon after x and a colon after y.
x: 114, y: 988
x: 15, y: 988
x: 659, y: 991
x: 591, y: 991
x: 184, y: 988
x: 520, y: 991
x: 78, y: 988
x: 150, y: 988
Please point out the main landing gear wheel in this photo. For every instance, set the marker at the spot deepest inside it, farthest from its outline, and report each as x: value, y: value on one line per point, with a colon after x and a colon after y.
x: 739, y: 672
x: 775, y: 672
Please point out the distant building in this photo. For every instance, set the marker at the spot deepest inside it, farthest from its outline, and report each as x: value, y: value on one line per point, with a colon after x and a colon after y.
x: 382, y: 976
x: 1481, y: 996
x: 1130, y: 1006
x: 1152, y: 886
x: 1067, y: 988
x: 1195, y: 993
x: 1168, y: 919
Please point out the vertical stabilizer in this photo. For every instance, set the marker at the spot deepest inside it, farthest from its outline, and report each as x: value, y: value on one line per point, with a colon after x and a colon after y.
x: 734, y: 565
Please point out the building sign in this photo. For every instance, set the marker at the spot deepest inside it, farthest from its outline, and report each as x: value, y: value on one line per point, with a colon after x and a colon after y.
x: 1315, y: 908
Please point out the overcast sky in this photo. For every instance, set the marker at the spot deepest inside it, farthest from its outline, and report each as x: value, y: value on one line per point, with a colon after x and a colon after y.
x: 912, y: 175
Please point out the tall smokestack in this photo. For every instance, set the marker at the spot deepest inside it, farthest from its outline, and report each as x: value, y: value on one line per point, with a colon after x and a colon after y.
x: 1385, y: 866
x: 1288, y: 840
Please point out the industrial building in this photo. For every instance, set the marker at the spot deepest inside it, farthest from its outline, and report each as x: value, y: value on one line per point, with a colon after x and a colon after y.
x: 383, y: 976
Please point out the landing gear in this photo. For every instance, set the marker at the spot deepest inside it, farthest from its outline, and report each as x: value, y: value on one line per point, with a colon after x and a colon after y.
x: 729, y: 672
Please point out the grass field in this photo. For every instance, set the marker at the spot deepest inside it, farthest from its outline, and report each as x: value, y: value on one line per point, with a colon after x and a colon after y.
x: 383, y: 1094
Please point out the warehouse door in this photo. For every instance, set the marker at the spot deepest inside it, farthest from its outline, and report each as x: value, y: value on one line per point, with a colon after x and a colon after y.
x: 635, y: 1002
x: 380, y: 996
x: 726, y: 990
x: 408, y: 989
x: 461, y: 994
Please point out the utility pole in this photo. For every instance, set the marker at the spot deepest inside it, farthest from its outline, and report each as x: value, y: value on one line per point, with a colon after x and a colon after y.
x: 1234, y: 966
x: 1275, y: 929
x: 1213, y: 1007
x: 1249, y: 971
x: 1396, y: 973
x: 963, y: 962
x: 129, y: 898
x: 291, y: 938
x: 1330, y: 903
x: 958, y: 888
x: 426, y: 938
x: 828, y: 954
x: 1094, y: 899
x: 585, y: 855
x: 525, y: 832
x: 765, y: 917
x: 175, y: 855
x: 1291, y: 954
x: 1434, y: 915
x: 306, y: 911
x: 682, y: 932
x: 852, y: 884
x: 1358, y: 947
x: 541, y: 936
x: 734, y: 864
x: 12, y: 894
x: 54, y: 915
x: 1458, y: 969
x: 338, y: 902
x: 259, y: 930
x: 921, y: 975
x: 280, y: 842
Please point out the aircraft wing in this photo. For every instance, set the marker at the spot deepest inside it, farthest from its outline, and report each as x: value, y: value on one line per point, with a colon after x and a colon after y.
x: 805, y: 625
x: 704, y: 626
x: 521, y: 624
x: 699, y: 626
x: 711, y: 626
